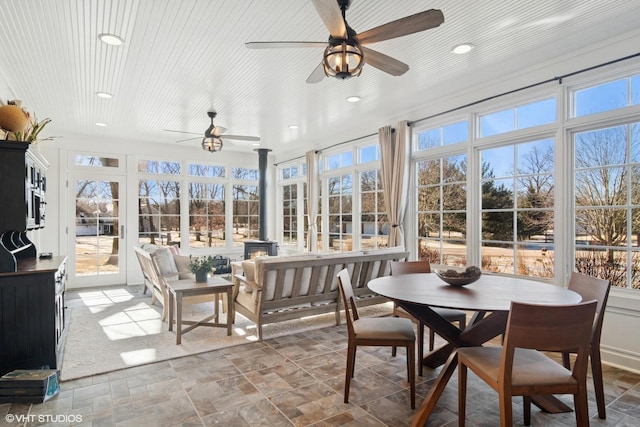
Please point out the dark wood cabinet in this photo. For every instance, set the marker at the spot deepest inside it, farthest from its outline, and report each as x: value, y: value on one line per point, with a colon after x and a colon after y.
x: 22, y: 193
x: 32, y: 315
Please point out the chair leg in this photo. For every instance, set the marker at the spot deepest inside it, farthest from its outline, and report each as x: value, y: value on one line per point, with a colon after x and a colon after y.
x: 565, y: 360
x: 506, y: 410
x: 421, y: 327
x: 353, y: 365
x: 462, y: 394
x: 581, y: 407
x: 165, y: 311
x: 596, y: 371
x: 393, y: 349
x: 411, y: 359
x: 432, y: 339
x: 526, y: 405
x: 351, y: 358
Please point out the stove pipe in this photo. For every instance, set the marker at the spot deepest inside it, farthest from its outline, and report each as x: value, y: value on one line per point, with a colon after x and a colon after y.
x: 262, y: 193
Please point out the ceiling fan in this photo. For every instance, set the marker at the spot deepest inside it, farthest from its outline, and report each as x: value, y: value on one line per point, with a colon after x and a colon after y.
x: 345, y: 54
x: 212, y: 140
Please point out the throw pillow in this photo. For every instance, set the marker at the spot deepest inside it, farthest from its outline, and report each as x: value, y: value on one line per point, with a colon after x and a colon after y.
x: 148, y: 247
x: 248, y: 267
x: 182, y: 263
x: 164, y: 261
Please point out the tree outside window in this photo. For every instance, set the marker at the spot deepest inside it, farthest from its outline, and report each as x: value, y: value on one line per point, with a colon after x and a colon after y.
x: 517, y: 190
x: 607, y: 204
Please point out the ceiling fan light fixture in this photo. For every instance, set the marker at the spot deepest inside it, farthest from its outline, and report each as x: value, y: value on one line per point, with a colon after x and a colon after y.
x: 343, y: 58
x: 211, y: 144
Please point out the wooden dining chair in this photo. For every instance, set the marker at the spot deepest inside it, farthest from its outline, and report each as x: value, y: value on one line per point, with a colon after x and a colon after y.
x: 598, y: 289
x: 518, y: 368
x: 375, y: 331
x: 451, y: 315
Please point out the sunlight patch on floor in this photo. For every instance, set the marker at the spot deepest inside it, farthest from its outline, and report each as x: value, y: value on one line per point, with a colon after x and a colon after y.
x: 134, y: 321
x: 104, y: 297
x: 138, y: 357
x: 123, y: 331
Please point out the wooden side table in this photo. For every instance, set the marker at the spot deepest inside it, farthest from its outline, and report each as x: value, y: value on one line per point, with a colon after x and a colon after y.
x: 179, y: 289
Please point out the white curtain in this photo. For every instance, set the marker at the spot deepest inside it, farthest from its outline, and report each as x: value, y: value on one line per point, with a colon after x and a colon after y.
x: 395, y: 148
x: 313, y: 194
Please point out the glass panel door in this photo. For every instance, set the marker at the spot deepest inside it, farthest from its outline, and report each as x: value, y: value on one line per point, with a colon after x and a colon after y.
x: 98, y: 254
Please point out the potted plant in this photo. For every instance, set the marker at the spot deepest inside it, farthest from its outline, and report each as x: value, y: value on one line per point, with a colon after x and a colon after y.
x: 201, y: 267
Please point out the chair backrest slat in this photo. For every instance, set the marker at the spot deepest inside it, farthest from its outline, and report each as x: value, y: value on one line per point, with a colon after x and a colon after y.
x: 410, y: 267
x: 592, y: 288
x: 348, y: 299
x: 549, y: 327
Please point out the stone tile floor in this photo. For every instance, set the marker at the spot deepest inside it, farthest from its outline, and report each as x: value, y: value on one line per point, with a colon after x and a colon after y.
x: 295, y: 380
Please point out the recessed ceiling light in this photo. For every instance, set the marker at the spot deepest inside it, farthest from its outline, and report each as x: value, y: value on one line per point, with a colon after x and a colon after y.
x: 105, y: 95
x: 111, y: 39
x: 353, y: 98
x: 101, y: 124
x: 462, y: 48
x: 293, y: 126
x: 256, y: 144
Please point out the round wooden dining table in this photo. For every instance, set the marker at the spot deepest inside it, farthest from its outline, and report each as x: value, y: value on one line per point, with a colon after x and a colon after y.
x: 489, y: 299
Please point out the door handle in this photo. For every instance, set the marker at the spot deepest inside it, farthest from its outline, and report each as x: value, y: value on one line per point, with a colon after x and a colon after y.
x: 122, y: 231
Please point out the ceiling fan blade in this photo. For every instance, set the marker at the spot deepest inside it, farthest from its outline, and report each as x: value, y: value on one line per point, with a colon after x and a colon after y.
x: 404, y: 26
x: 317, y: 74
x: 188, y: 139
x: 331, y: 15
x: 218, y: 130
x: 240, y: 137
x: 182, y: 131
x: 280, y: 45
x: 384, y: 62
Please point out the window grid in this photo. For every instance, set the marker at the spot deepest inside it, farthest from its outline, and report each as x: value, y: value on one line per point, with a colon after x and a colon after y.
x: 607, y: 204
x: 441, y: 210
x: 159, y: 211
x: 517, y: 193
x: 373, y: 218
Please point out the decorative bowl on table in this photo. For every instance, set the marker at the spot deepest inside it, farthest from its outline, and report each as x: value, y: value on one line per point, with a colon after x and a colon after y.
x: 459, y: 278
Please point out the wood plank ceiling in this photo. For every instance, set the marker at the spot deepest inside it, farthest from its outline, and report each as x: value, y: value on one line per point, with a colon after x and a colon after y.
x: 181, y: 58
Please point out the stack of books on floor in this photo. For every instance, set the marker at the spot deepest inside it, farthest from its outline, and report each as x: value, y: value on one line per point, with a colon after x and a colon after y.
x: 29, y: 386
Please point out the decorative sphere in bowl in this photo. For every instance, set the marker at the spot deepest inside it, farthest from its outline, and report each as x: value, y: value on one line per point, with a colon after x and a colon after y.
x: 459, y: 278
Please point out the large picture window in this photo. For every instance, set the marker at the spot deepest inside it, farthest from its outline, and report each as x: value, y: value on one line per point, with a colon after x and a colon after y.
x: 607, y: 204
x: 517, y: 191
x: 290, y: 215
x: 159, y: 211
x: 206, y: 215
x: 293, y: 208
x: 246, y: 204
x: 340, y: 199
x: 441, y: 215
x: 374, y: 224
